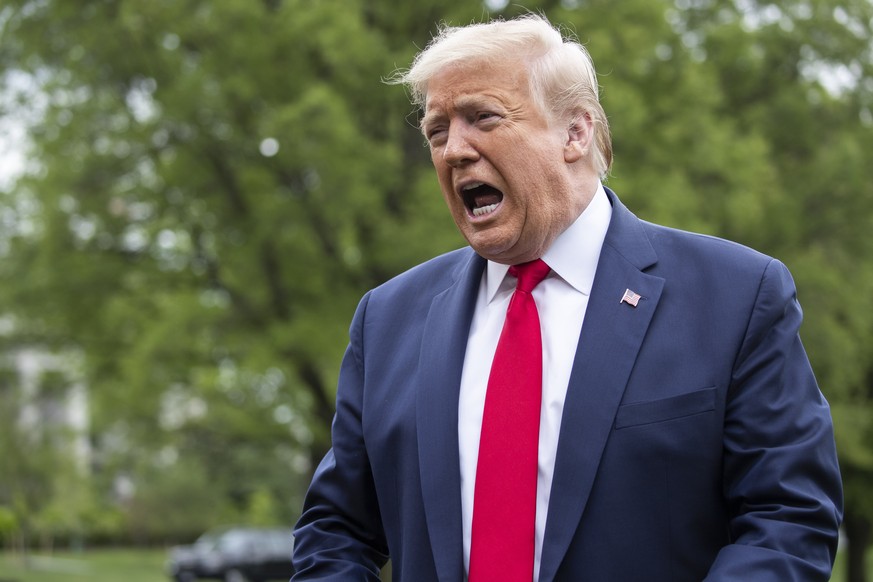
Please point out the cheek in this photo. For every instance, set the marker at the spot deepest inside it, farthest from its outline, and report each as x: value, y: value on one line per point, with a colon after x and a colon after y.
x: 444, y: 178
x: 437, y: 159
x: 454, y: 204
x: 549, y: 199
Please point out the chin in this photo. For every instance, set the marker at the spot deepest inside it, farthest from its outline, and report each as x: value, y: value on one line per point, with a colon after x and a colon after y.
x: 500, y: 248
x: 489, y: 250
x: 503, y: 256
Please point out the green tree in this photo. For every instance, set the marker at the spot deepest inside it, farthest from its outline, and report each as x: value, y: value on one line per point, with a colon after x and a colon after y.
x: 34, y: 463
x: 210, y: 189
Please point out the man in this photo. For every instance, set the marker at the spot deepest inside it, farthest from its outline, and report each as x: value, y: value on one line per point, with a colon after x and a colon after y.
x: 678, y: 432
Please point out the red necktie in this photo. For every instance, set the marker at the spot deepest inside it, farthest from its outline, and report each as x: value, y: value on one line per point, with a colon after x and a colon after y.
x: 504, y: 501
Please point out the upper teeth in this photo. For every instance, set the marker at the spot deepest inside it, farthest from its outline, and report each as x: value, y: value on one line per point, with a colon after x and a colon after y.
x: 472, y: 185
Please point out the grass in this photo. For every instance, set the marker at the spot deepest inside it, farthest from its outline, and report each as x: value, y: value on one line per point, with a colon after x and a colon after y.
x: 94, y: 566
x: 136, y: 565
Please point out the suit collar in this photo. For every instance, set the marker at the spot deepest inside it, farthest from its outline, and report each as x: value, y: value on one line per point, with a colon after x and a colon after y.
x: 611, y: 336
x: 439, y: 379
x: 627, y: 236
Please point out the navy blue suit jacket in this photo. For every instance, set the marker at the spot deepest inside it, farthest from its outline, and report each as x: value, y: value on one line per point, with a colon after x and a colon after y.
x: 695, y: 444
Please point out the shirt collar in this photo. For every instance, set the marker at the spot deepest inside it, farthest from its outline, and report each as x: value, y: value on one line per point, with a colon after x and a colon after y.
x: 574, y: 254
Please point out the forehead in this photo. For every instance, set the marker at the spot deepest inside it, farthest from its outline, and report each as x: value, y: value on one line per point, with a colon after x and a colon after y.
x: 460, y: 85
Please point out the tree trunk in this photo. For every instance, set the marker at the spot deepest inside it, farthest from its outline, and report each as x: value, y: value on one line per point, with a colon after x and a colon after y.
x: 858, y: 533
x: 323, y: 409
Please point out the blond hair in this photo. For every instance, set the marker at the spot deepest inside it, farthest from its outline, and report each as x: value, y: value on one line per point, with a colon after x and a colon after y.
x: 562, y: 78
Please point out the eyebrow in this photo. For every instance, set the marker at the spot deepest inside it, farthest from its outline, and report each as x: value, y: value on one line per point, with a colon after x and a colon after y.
x: 428, y: 118
x: 462, y: 103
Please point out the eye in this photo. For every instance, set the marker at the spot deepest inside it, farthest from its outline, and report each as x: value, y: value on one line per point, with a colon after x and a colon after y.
x: 486, y: 118
x: 435, y: 134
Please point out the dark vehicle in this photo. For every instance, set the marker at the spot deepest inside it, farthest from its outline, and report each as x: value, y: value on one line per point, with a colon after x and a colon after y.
x: 236, y: 554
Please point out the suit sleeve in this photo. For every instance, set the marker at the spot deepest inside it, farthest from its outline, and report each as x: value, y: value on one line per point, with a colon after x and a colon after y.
x: 781, y: 478
x: 339, y: 535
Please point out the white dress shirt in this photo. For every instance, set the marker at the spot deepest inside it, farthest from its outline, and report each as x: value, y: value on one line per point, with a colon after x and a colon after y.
x: 561, y: 299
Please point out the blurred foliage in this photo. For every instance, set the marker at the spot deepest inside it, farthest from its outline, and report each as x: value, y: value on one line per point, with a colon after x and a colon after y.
x: 210, y: 187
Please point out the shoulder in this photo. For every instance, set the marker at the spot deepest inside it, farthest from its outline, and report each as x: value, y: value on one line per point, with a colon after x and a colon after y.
x: 697, y: 266
x: 664, y: 250
x: 414, y: 289
x: 683, y: 245
x: 705, y: 270
x: 432, y: 276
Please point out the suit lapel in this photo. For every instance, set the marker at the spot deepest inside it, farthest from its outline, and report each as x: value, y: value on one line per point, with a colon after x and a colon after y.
x: 608, y: 345
x: 439, y: 380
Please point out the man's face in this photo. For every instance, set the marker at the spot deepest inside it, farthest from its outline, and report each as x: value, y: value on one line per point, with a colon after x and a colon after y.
x: 505, y: 167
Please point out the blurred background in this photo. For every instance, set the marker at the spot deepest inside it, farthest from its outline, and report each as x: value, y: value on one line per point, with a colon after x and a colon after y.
x: 195, y: 194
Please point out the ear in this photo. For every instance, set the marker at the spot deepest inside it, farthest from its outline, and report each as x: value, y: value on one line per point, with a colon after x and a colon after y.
x: 580, y: 134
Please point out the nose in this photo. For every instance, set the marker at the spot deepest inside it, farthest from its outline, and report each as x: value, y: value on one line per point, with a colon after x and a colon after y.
x: 458, y: 150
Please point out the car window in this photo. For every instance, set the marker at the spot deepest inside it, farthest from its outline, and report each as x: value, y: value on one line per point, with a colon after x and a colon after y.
x: 235, y: 542
x: 279, y: 542
x: 206, y: 542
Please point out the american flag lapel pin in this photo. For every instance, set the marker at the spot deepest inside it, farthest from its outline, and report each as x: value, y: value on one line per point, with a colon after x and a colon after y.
x: 630, y: 297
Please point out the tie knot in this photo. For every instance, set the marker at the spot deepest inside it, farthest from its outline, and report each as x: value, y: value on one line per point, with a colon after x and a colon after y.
x: 529, y: 274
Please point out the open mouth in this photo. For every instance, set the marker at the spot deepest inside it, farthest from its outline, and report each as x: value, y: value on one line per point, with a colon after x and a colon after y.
x: 480, y: 198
